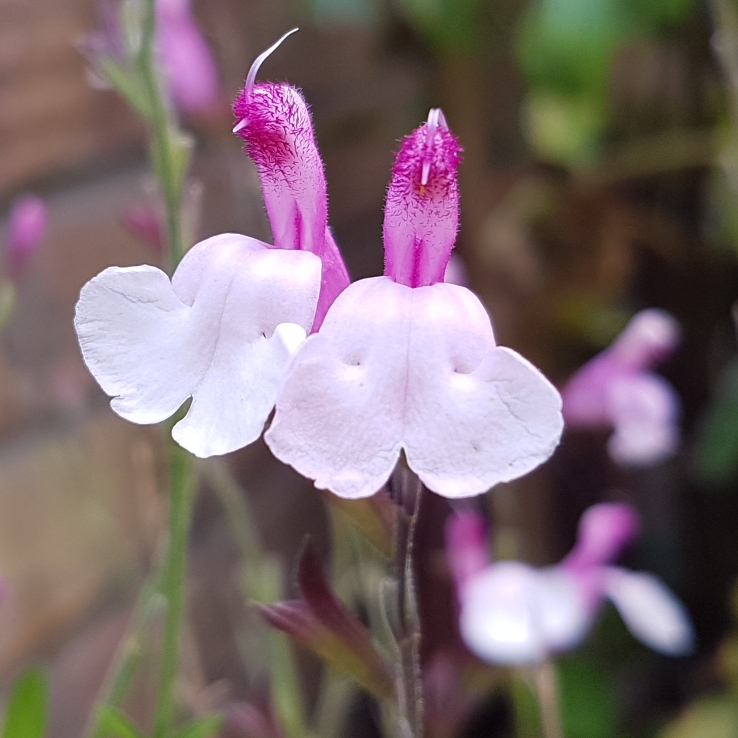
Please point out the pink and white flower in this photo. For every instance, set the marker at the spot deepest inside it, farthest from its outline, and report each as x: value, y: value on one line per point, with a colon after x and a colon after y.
x: 274, y: 122
x: 223, y: 330
x: 617, y: 390
x: 513, y: 613
x: 405, y: 363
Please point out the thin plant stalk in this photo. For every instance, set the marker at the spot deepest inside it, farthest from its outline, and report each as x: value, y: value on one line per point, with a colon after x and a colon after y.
x: 264, y: 583
x: 165, y: 140
x: 407, y: 491
x: 181, y: 496
x: 544, y: 677
x: 128, y: 655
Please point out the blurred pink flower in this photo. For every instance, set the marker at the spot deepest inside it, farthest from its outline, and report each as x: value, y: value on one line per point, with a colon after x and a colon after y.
x: 616, y: 389
x: 145, y: 222
x: 26, y: 226
x: 513, y: 613
x: 407, y: 363
x: 189, y: 67
x: 274, y: 122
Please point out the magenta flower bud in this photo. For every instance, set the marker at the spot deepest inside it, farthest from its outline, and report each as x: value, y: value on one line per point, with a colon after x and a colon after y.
x: 466, y: 546
x: 275, y: 124
x: 421, y: 217
x: 26, y: 226
x: 145, y: 222
x: 190, y: 70
x: 604, y: 531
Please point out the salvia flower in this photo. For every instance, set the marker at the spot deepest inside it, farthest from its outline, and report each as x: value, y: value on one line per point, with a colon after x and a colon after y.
x: 222, y: 331
x: 26, y: 226
x: 617, y: 390
x: 189, y: 67
x: 513, y: 613
x: 406, y: 363
x: 274, y: 122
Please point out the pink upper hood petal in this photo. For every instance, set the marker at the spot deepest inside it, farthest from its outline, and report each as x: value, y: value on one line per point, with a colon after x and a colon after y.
x: 275, y: 124
x: 396, y: 368
x: 421, y: 216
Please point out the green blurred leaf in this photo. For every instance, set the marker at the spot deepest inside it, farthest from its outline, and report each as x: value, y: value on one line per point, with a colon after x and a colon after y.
x: 655, y: 14
x: 345, y: 11
x: 128, y: 84
x: 717, y: 449
x: 565, y: 46
x: 202, y: 727
x: 371, y: 516
x: 565, y: 129
x: 587, y: 699
x: 709, y: 717
x: 114, y: 723
x: 450, y: 25
x: 28, y: 706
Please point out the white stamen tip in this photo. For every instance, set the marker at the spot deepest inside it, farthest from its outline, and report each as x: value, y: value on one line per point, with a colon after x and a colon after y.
x: 262, y: 58
x: 430, y: 134
x: 241, y: 124
x: 425, y: 173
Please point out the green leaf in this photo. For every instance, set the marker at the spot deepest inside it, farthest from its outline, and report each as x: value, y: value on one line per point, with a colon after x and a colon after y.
x: 114, y: 723
x: 708, y: 717
x: 450, y: 25
x: 202, y: 727
x: 717, y: 450
x: 128, y: 84
x: 587, y: 702
x: 565, y: 46
x: 360, y: 12
x: 28, y: 706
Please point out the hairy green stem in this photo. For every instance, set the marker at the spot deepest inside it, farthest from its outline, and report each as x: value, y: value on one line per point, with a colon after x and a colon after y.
x: 163, y: 136
x: 181, y: 489
x: 407, y: 490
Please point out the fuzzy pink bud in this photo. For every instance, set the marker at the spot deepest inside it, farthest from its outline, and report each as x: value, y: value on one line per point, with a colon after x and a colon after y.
x: 275, y: 125
x: 26, y: 226
x: 190, y: 69
x: 421, y: 217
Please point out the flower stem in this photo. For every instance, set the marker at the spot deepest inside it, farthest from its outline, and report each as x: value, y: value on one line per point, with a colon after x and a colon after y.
x: 548, y: 699
x: 181, y: 489
x: 407, y: 489
x: 165, y: 141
